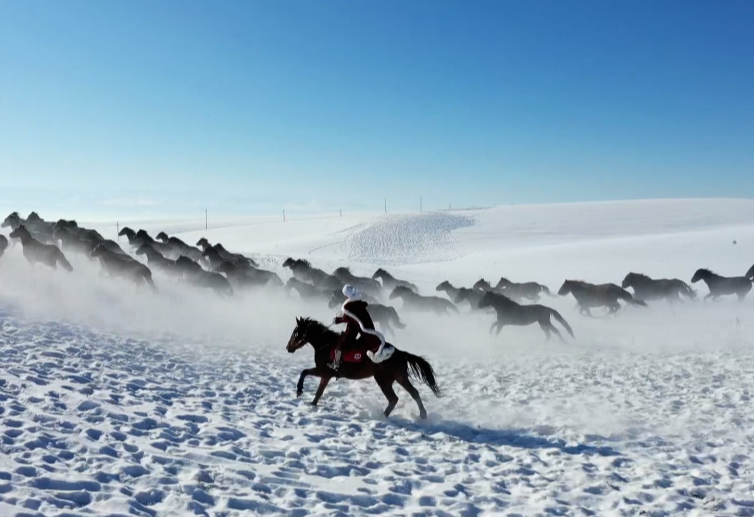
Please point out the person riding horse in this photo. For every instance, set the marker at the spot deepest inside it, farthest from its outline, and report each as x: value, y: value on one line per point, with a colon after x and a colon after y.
x: 359, y: 329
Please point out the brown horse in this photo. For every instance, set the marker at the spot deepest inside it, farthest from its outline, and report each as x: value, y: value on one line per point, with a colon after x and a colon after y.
x: 723, y: 285
x: 413, y: 301
x: 37, y: 252
x: 394, y: 369
x: 512, y: 313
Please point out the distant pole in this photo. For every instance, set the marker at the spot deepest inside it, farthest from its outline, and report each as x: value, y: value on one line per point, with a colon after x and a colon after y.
x: 283, y: 214
x: 420, y: 203
x: 385, y: 204
x: 117, y: 229
x: 205, y: 218
x: 450, y: 206
x: 341, y: 213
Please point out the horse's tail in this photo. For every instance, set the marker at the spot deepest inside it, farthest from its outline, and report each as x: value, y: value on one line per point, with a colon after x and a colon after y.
x: 423, y: 371
x: 394, y: 319
x: 555, y: 314
x: 686, y: 290
x: 64, y: 262
x: 628, y: 298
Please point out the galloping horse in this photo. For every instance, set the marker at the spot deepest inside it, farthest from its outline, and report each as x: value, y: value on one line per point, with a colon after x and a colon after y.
x: 394, y: 369
x: 648, y: 289
x: 37, y: 252
x: 411, y: 300
x: 722, y: 285
x: 3, y: 244
x: 512, y: 313
x: 304, y: 271
x: 460, y: 294
x: 363, y: 284
x: 597, y: 295
x: 529, y: 290
x: 389, y: 282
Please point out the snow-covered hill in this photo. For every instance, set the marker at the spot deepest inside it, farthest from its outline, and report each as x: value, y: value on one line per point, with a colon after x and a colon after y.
x: 116, y: 401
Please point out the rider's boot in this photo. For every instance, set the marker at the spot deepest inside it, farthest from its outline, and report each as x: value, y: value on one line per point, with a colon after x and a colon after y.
x: 335, y: 364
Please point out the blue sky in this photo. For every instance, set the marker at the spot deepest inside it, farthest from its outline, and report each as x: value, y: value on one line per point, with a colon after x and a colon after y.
x: 166, y: 108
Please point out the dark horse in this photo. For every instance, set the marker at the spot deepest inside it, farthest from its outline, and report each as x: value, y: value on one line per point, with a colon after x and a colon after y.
x: 123, y: 267
x: 384, y: 315
x: 363, y: 284
x: 302, y: 270
x: 306, y: 290
x: 528, y: 290
x: 389, y: 282
x: 597, y: 295
x: 460, y: 294
x: 722, y: 285
x: 394, y: 369
x: 648, y: 289
x: 3, y: 244
x: 414, y: 301
x: 512, y: 313
x: 37, y: 252
x: 750, y: 273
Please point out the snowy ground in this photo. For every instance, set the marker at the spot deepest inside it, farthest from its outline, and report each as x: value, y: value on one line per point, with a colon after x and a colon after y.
x: 114, y: 401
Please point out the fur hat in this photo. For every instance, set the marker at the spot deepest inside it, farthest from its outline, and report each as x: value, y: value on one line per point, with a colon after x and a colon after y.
x: 351, y: 293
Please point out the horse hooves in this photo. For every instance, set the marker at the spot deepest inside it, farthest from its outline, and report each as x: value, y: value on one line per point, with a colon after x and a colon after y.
x: 299, y: 393
x: 423, y: 415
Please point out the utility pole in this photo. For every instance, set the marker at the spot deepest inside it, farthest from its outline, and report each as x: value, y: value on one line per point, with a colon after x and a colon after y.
x: 385, y: 204
x: 420, y: 203
x: 283, y: 214
x: 205, y: 219
x: 117, y: 229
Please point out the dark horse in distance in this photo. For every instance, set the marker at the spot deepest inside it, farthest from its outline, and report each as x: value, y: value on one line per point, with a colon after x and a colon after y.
x: 395, y: 369
x: 589, y: 295
x: 649, y: 289
x: 723, y: 285
x: 512, y: 313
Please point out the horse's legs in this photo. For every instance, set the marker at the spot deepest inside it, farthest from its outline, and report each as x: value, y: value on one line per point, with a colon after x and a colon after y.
x: 492, y: 327
x: 322, y: 385
x: 500, y: 325
x: 546, y: 330
x: 709, y: 295
x: 304, y: 374
x: 406, y: 383
x: 386, y: 385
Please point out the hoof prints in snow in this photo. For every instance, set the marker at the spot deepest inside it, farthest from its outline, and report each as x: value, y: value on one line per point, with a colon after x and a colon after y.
x: 408, y: 239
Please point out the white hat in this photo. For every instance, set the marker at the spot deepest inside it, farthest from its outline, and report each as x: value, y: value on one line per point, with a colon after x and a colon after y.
x: 351, y: 293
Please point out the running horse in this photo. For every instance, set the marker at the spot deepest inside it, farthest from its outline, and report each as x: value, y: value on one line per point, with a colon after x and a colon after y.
x: 356, y: 365
x: 723, y: 285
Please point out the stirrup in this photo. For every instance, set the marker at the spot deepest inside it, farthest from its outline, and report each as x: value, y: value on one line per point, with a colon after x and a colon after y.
x: 383, y: 353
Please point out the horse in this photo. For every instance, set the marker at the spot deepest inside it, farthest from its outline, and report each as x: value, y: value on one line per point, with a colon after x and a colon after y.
x: 363, y: 284
x: 177, y: 244
x: 648, y: 289
x: 384, y: 315
x: 3, y: 244
x: 597, y: 295
x: 135, y: 240
x: 158, y: 261
x: 118, y: 266
x: 750, y: 273
x: 307, y: 291
x: 38, y: 252
x: 460, y: 294
x: 722, y: 285
x: 523, y: 290
x: 512, y: 313
x: 249, y: 276
x: 211, y: 280
x: 483, y: 286
x: 303, y: 270
x: 80, y: 233
x: 389, y: 282
x: 397, y: 368
x: 439, y: 306
x: 204, y: 244
x: 78, y: 242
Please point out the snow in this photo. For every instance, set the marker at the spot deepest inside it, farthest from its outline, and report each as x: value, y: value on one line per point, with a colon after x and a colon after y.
x: 115, y: 401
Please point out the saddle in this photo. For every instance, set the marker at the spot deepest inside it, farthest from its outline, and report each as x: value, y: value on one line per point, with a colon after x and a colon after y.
x: 356, y: 351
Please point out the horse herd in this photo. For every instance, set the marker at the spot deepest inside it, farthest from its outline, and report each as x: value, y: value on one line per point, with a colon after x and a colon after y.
x: 212, y: 266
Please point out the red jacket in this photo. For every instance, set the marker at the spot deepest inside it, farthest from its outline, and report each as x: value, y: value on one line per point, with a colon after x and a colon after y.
x: 359, y: 309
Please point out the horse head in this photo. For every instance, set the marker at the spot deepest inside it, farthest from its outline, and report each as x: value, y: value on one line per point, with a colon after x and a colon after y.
x: 300, y: 335
x: 503, y: 282
x: 461, y: 295
x: 202, y: 243
x: 20, y: 232
x: 162, y: 236
x: 144, y: 249
x: 750, y: 273
x: 487, y: 300
x: 98, y: 251
x: 701, y: 274
x: 379, y: 274
x: 128, y: 232
x: 12, y: 219
x: 481, y: 285
x: 399, y: 292
x: 444, y: 286
x: 566, y: 287
x: 628, y: 281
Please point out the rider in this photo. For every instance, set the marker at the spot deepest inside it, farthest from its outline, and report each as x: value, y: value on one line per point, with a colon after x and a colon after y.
x: 359, y: 326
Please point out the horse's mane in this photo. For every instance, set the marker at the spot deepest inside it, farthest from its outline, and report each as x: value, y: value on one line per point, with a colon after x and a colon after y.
x: 14, y: 215
x: 705, y: 270
x: 640, y: 275
x: 499, y: 297
x: 309, y: 324
x: 142, y: 232
x: 34, y: 216
x: 343, y: 269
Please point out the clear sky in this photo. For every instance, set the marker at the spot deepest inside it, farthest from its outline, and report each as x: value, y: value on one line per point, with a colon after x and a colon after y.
x: 169, y: 107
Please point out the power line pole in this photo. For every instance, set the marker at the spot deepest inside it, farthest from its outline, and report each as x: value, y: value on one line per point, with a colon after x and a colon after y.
x: 420, y: 203
x: 385, y: 204
x: 205, y: 219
